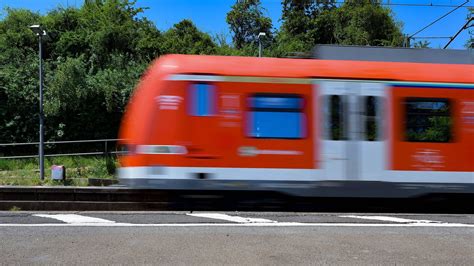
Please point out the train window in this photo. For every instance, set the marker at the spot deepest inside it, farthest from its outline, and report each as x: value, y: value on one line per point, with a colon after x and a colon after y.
x: 428, y: 120
x: 202, y: 99
x: 336, y: 128
x: 371, y: 113
x: 276, y: 116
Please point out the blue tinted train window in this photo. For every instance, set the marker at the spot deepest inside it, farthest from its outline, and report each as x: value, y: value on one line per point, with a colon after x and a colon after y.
x: 202, y: 100
x: 276, y: 116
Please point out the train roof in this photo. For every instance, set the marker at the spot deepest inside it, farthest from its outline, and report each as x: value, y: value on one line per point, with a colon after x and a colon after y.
x: 311, y: 68
x: 393, y: 54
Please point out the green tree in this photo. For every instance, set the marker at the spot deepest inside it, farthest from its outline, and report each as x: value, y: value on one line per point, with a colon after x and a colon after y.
x: 185, y: 38
x: 366, y: 22
x: 18, y: 76
x: 98, y: 57
x: 93, y: 58
x: 225, y: 48
x: 298, y: 15
x: 355, y: 22
x: 421, y: 44
x: 305, y: 23
x: 246, y: 21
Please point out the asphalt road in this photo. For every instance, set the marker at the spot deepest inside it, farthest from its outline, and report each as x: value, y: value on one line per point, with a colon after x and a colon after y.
x: 235, y: 238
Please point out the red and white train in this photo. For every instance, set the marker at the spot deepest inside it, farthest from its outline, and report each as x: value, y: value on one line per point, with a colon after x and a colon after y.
x: 306, y: 127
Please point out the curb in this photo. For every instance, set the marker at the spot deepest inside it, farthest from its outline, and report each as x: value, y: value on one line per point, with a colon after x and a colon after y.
x: 82, y: 198
x: 81, y: 206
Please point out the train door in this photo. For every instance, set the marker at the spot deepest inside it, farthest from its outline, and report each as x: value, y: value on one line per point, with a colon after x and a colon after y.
x: 351, y: 139
x: 202, y: 120
x: 372, y: 141
x: 334, y: 143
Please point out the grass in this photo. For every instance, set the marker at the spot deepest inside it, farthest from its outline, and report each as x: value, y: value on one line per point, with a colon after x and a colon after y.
x: 15, y: 209
x: 25, y: 172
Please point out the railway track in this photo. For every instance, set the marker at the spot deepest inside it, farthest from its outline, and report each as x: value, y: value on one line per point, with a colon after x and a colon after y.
x: 127, y: 199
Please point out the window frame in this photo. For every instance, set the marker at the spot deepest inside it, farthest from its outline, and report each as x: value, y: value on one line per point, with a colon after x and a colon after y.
x: 428, y: 114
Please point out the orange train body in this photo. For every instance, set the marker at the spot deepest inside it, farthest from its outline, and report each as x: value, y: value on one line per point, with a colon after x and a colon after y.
x: 273, y: 124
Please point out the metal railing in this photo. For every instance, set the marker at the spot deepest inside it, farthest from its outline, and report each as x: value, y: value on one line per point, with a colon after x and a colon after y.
x: 106, y: 148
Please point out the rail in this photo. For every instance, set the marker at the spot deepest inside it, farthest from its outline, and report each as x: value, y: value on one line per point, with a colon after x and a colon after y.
x: 106, y: 148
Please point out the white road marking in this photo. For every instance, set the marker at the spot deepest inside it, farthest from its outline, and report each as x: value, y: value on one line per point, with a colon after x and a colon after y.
x: 226, y: 217
x: 285, y: 224
x: 75, y: 218
x: 388, y: 219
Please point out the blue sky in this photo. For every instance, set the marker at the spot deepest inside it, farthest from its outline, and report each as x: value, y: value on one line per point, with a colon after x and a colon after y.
x: 209, y: 15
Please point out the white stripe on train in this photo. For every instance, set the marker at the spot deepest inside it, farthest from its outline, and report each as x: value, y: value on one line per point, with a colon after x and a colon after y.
x: 284, y: 174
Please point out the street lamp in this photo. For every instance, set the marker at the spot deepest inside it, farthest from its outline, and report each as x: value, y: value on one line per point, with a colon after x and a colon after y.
x: 40, y: 32
x: 261, y: 34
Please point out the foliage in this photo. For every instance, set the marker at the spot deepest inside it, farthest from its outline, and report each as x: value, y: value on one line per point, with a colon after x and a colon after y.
x: 185, y: 38
x: 355, y: 22
x: 25, y: 171
x: 421, y: 44
x: 365, y: 22
x: 437, y: 129
x: 15, y: 209
x: 18, y: 85
x: 300, y: 16
x: 305, y: 23
x: 93, y: 58
x: 246, y: 21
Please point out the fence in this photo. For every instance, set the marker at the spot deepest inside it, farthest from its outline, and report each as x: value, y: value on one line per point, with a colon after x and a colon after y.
x: 88, y: 147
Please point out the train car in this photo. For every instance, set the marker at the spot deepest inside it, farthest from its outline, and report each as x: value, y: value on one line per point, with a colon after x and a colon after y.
x: 306, y: 127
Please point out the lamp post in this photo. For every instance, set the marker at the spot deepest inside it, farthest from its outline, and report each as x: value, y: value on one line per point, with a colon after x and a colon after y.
x: 40, y: 32
x: 261, y: 34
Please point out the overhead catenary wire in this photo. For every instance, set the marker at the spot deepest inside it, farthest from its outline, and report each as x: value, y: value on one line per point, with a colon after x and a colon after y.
x: 388, y: 3
x: 465, y: 26
x: 432, y: 37
x: 438, y: 19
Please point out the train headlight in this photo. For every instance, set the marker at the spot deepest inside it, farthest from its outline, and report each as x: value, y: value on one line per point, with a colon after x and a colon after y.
x: 161, y: 149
